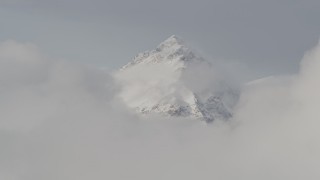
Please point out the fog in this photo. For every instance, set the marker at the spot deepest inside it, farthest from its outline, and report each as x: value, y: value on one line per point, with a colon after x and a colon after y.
x: 63, y: 121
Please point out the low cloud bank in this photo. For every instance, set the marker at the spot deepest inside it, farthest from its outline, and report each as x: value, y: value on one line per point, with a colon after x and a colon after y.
x: 62, y: 121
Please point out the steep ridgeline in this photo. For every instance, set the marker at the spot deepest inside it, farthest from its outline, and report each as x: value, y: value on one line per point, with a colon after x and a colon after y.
x: 172, y: 80
x: 171, y: 51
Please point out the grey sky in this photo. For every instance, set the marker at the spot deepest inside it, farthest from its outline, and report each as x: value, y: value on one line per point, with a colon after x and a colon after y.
x: 63, y: 120
x: 265, y: 36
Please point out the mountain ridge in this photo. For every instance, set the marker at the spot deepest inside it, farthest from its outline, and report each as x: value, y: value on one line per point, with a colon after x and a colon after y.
x: 172, y: 50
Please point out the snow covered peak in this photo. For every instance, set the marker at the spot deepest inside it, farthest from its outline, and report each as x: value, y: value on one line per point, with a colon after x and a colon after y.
x: 172, y: 51
x: 172, y: 42
x: 174, y: 81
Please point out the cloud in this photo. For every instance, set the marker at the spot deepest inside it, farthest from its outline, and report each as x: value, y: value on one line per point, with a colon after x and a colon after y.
x: 62, y: 121
x: 34, y: 88
x: 281, y: 114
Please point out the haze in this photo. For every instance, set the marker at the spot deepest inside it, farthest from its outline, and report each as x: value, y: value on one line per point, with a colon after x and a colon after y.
x: 61, y: 117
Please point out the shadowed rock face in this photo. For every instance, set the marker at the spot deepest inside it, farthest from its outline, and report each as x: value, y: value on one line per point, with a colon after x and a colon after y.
x: 164, y: 91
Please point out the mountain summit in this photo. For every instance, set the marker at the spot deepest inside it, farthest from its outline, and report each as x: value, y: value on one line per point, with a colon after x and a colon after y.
x: 172, y: 80
x: 173, y: 50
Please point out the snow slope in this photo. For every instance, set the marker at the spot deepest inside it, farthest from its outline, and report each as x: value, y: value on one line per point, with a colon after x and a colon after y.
x: 173, y: 80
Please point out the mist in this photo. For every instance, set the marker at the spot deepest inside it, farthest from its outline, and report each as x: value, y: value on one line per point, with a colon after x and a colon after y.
x: 60, y: 120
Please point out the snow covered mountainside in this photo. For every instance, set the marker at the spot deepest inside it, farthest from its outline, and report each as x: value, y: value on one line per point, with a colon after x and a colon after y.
x: 173, y: 80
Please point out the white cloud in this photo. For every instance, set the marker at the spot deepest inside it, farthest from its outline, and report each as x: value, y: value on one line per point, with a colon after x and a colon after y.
x: 60, y: 121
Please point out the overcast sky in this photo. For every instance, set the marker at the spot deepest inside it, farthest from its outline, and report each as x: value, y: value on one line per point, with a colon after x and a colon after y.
x: 61, y: 119
x: 265, y: 37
